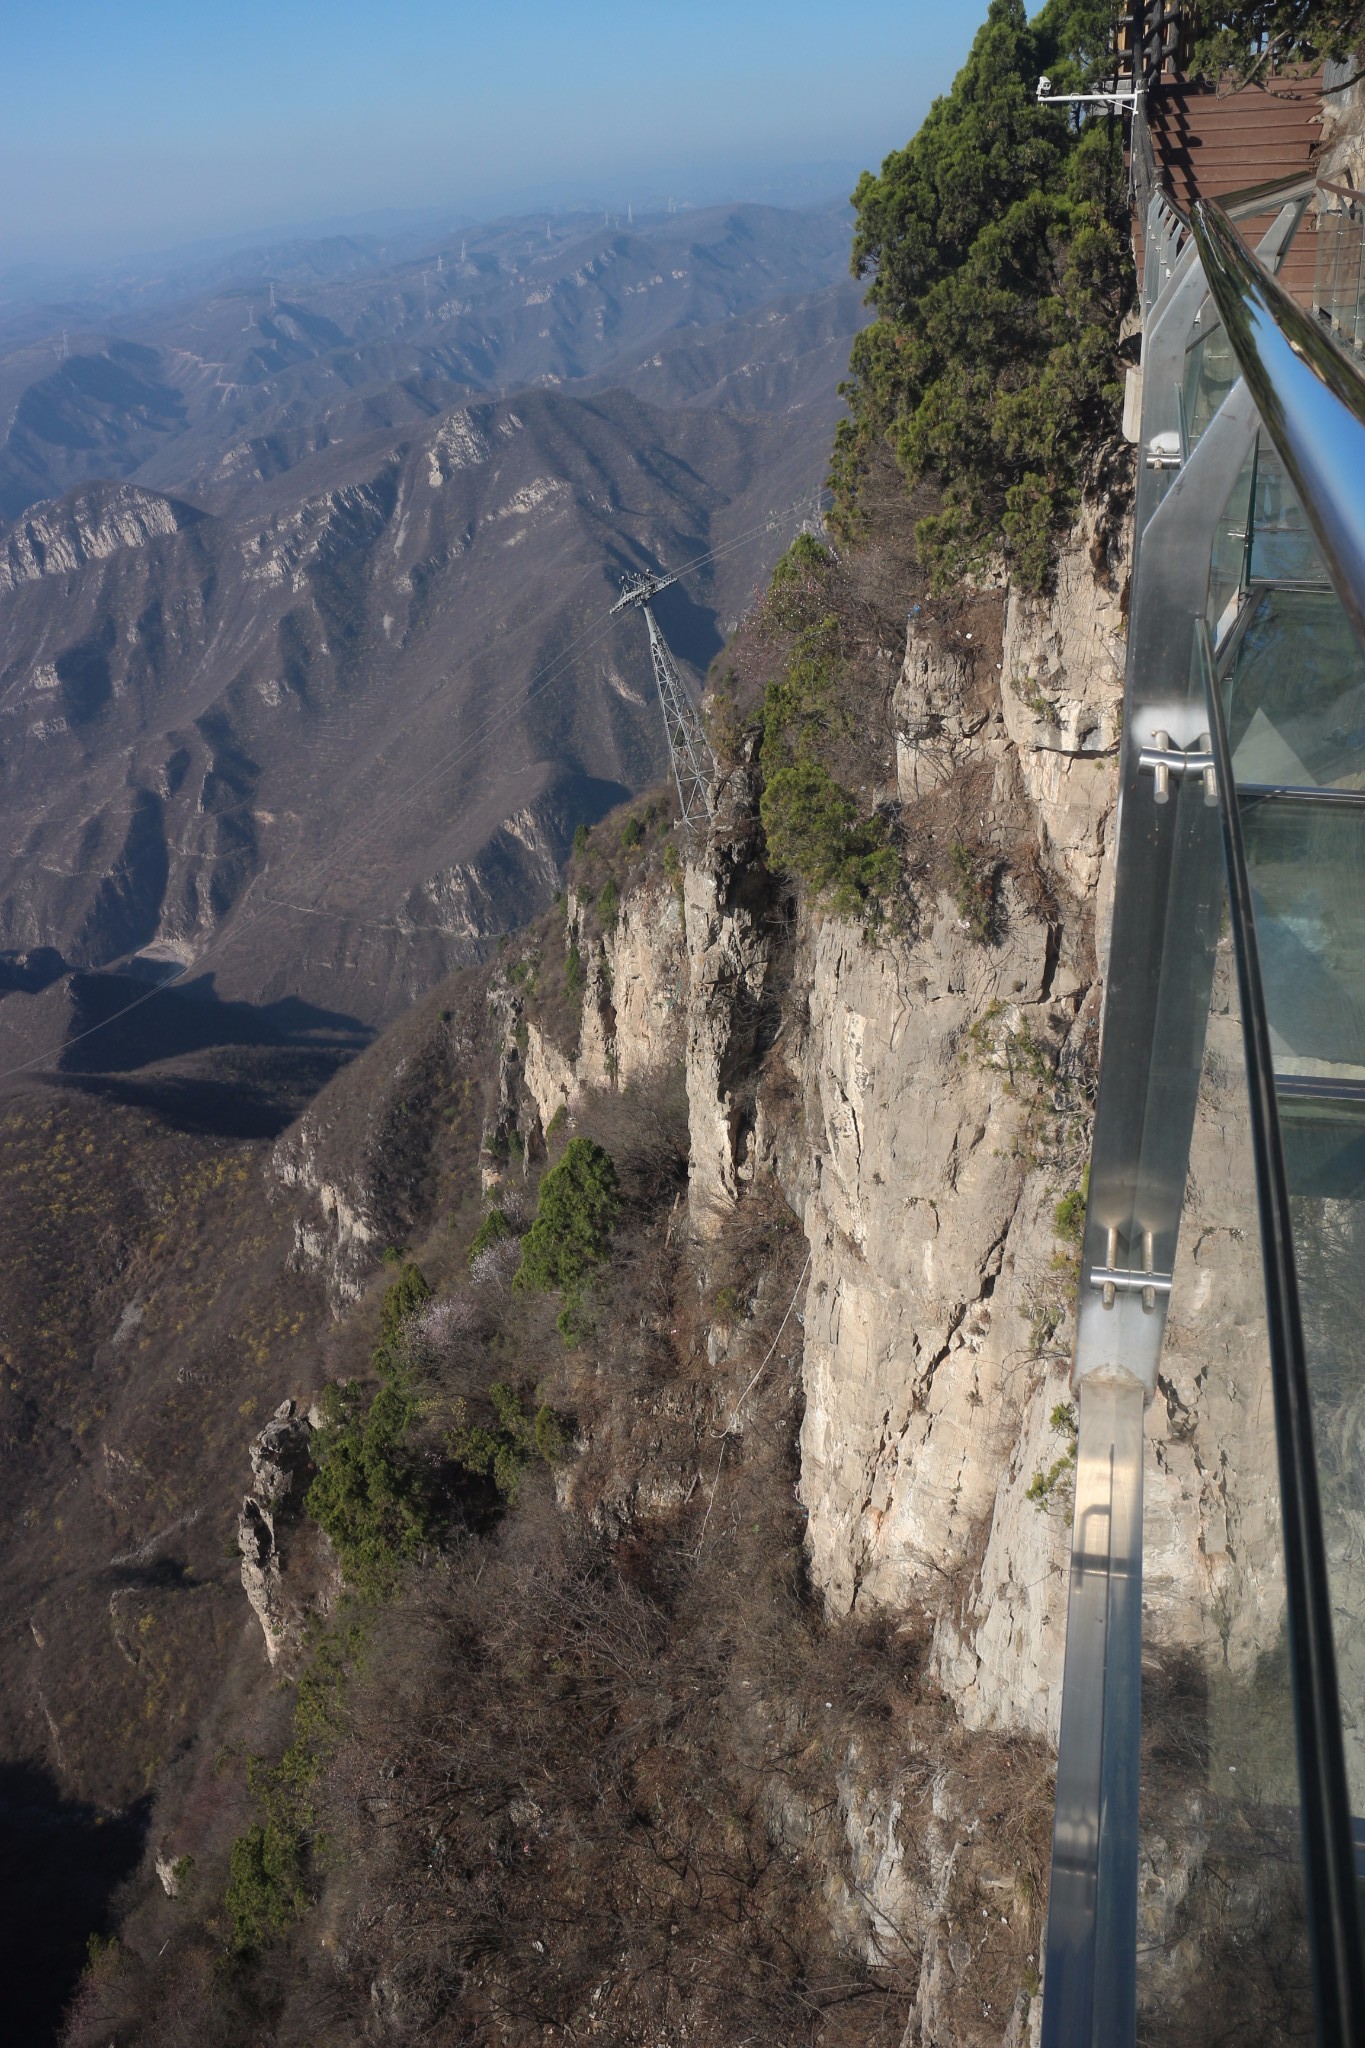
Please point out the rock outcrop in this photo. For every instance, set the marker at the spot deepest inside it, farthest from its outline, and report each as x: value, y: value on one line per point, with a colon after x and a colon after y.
x: 923, y: 1097
x: 732, y: 924
x: 633, y: 1015
x: 86, y: 526
x: 334, y: 1230
x: 936, y: 1323
x: 1061, y: 700
x: 280, y: 1464
x: 925, y: 1109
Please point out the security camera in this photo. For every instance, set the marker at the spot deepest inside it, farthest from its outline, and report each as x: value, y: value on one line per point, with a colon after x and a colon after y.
x: 1044, y: 86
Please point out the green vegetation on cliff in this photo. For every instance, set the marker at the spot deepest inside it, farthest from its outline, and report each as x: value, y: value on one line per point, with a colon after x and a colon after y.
x: 816, y: 828
x: 505, y: 1450
x: 995, y: 242
x: 371, y: 1495
x: 273, y: 1865
x: 1252, y: 39
x: 580, y: 1201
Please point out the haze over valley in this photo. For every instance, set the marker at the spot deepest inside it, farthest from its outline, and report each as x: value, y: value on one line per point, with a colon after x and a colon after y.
x: 306, y: 678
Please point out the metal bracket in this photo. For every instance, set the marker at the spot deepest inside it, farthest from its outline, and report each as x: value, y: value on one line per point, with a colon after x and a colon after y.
x: 1162, y: 761
x: 1115, y: 101
x: 1112, y: 1279
x: 1165, y: 450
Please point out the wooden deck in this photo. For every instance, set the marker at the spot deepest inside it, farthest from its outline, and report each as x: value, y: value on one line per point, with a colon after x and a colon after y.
x: 1210, y: 143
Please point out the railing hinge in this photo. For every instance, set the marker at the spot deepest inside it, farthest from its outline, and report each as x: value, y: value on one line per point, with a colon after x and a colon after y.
x: 1113, y: 1279
x: 1162, y: 761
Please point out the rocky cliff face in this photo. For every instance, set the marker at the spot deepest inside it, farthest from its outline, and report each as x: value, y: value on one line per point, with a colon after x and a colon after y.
x: 87, y: 526
x: 924, y: 1103
x: 732, y: 936
x: 633, y: 1016
x: 922, y: 1098
x: 280, y: 1468
x: 944, y: 1084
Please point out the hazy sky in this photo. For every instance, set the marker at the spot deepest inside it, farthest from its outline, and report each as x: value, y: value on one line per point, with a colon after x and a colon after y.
x: 133, y: 124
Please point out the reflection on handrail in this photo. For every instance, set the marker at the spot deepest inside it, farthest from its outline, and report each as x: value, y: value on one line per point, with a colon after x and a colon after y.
x: 1311, y: 401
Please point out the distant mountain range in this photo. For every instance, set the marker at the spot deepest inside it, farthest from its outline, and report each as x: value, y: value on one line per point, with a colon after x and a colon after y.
x: 305, y: 674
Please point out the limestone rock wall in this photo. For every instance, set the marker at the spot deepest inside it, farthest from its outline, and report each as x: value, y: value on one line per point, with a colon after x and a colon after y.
x: 926, y: 1108
x: 924, y: 1100
x: 634, y: 1008
x: 945, y: 1111
x: 732, y: 929
x: 86, y: 526
x: 936, y: 1328
x: 1343, y: 125
x: 944, y: 1091
x: 1061, y: 699
x: 333, y: 1227
x: 280, y: 1468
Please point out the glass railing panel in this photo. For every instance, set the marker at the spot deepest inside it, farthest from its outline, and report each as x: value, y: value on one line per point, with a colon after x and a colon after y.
x: 1210, y: 373
x: 1352, y: 308
x: 1327, y: 261
x: 1306, y: 859
x: 1345, y: 271
x: 1283, y: 549
x: 1324, y: 1145
x: 1340, y: 271
x: 1222, y: 1933
x: 1306, y: 863
x: 1230, y: 561
x: 1295, y: 860
x: 1293, y: 697
x: 1295, y: 693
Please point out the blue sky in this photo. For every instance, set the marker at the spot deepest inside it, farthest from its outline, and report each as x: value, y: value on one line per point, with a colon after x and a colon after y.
x: 135, y: 124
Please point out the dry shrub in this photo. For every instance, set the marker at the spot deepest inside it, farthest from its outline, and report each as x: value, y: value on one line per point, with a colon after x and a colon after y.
x: 561, y: 1789
x: 594, y: 1765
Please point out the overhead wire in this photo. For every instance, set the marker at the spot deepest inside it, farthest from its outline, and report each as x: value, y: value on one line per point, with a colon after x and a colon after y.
x: 250, y: 915
x: 542, y: 684
x: 733, y: 1424
x: 549, y: 676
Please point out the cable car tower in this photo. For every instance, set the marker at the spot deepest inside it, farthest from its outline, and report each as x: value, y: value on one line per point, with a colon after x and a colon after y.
x: 694, y: 765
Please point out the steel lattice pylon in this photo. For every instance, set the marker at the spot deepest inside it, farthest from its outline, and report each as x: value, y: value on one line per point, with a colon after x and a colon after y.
x: 694, y: 765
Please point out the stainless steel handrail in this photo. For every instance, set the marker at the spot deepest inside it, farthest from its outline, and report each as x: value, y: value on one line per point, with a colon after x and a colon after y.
x: 1252, y: 200
x: 1310, y: 398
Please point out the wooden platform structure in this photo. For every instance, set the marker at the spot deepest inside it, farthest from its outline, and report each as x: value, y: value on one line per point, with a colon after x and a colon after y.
x: 1209, y: 142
